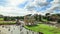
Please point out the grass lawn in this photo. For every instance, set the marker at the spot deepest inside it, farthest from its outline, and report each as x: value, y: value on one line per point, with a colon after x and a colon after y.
x: 7, y: 22
x: 44, y: 29
x: 1, y: 19
x: 2, y: 22
x: 44, y: 19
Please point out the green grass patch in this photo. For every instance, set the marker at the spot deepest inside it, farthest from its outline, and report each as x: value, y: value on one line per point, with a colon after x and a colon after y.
x: 45, y: 20
x: 7, y: 22
x: 1, y: 19
x: 44, y: 29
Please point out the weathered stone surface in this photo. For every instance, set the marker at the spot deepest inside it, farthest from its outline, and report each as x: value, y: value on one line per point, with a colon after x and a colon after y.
x: 13, y: 29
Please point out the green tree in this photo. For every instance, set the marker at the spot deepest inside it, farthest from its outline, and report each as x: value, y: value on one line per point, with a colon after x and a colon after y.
x: 40, y: 18
x: 47, y: 16
x: 58, y: 21
x: 5, y: 18
x: 36, y: 17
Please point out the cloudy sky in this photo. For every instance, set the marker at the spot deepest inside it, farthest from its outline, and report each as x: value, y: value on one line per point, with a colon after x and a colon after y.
x: 24, y: 7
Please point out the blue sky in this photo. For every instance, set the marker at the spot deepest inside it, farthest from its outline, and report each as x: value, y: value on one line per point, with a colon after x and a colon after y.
x: 49, y: 0
x: 23, y: 7
x: 3, y: 2
x: 26, y: 2
x: 23, y: 4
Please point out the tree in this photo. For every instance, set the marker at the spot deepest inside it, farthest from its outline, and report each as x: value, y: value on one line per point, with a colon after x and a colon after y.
x: 36, y: 17
x: 58, y: 21
x: 40, y: 18
x: 47, y: 16
x: 1, y: 16
x: 29, y: 15
x: 5, y: 18
x: 12, y: 18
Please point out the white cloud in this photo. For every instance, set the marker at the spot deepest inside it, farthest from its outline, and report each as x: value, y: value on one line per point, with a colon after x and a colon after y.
x: 12, y: 10
x: 55, y: 5
x: 15, y: 2
x: 39, y: 3
x: 36, y: 3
